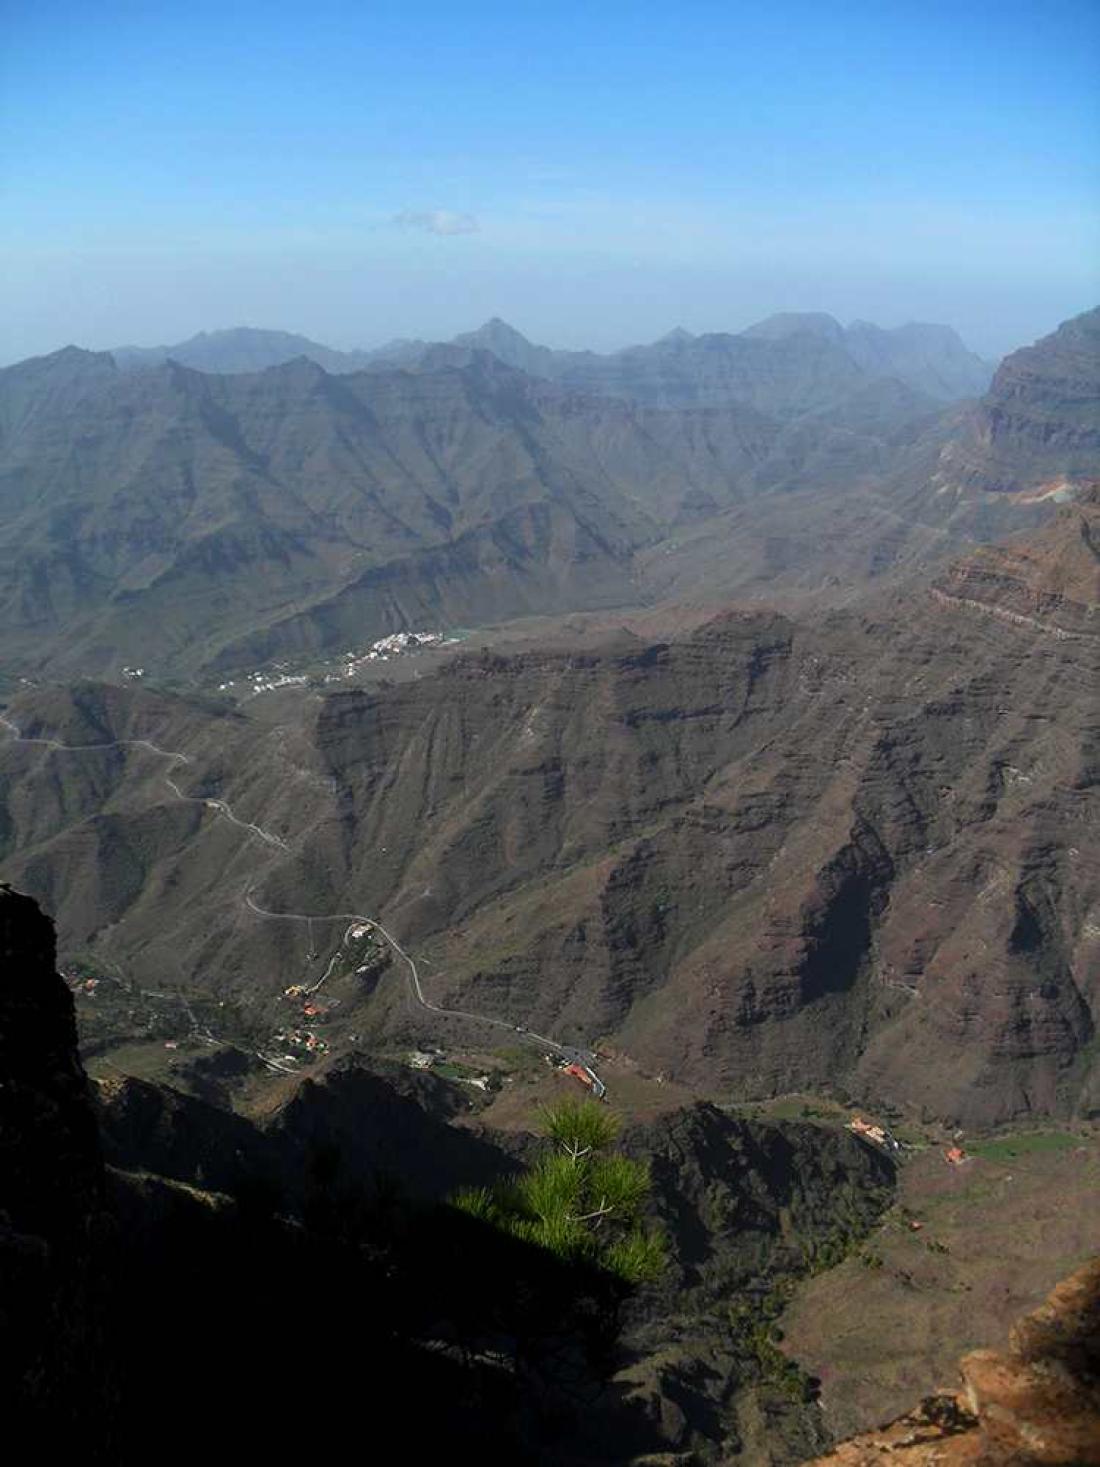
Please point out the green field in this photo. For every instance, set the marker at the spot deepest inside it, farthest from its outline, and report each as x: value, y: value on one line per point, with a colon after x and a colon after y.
x: 1008, y: 1148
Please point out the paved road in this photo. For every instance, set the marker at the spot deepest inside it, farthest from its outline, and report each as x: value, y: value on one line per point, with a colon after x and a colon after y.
x: 570, y: 1054
x: 220, y: 807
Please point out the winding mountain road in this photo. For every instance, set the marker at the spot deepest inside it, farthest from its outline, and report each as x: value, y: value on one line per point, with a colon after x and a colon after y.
x: 219, y: 806
x: 569, y: 1053
x: 572, y: 1055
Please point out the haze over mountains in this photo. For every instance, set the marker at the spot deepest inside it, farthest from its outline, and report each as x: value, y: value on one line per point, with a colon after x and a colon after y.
x: 459, y: 489
x: 241, y: 349
x: 678, y: 369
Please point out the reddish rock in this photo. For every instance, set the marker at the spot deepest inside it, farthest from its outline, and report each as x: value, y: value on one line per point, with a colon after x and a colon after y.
x: 1036, y: 1405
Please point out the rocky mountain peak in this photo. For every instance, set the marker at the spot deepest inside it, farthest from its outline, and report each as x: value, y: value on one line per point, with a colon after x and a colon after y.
x: 67, y: 365
x: 510, y: 345
x: 785, y: 324
x: 497, y: 327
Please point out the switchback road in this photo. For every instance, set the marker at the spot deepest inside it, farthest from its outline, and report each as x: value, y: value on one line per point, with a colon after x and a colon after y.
x: 569, y: 1053
x: 220, y: 807
x: 572, y: 1055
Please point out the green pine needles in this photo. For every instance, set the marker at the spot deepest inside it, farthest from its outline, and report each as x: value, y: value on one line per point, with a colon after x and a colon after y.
x: 580, y: 1200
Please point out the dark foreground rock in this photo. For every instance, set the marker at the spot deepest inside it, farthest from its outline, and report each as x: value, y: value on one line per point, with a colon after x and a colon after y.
x: 221, y: 1282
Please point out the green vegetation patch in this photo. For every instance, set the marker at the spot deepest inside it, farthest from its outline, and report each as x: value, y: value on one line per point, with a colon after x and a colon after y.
x: 453, y: 1070
x: 1030, y: 1143
x: 580, y: 1200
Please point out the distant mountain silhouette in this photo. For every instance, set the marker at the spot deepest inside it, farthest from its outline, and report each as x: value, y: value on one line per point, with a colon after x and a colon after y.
x: 787, y: 363
x: 784, y: 365
x: 240, y: 349
x: 196, y: 521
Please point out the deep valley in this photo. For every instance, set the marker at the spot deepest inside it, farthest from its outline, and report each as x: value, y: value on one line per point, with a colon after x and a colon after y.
x: 402, y: 742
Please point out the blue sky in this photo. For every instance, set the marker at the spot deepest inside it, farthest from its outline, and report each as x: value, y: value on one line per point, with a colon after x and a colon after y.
x: 596, y: 173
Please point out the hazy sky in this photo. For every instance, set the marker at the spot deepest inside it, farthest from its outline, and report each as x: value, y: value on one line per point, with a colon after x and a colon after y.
x: 594, y: 172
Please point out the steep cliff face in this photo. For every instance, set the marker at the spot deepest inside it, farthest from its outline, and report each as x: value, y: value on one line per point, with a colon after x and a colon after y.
x: 50, y: 1170
x: 763, y: 857
x: 54, y: 1378
x: 1038, y: 427
x: 1037, y: 1404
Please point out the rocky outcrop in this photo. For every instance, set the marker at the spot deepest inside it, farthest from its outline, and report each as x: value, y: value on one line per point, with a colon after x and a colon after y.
x: 1037, y: 1404
x: 1037, y: 430
x: 1048, y: 579
x: 50, y: 1169
x: 54, y: 1378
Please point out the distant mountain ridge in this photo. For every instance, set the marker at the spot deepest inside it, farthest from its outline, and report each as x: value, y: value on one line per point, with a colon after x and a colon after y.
x: 196, y: 522
x: 221, y: 507
x: 240, y: 349
x: 801, y: 360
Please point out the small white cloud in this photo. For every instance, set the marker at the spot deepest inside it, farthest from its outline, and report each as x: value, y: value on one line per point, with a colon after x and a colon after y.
x: 436, y: 221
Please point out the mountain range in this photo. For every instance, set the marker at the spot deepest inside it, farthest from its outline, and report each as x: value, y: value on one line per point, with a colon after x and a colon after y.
x: 761, y: 852
x: 758, y: 775
x: 786, y: 363
x: 759, y: 857
x: 198, y: 523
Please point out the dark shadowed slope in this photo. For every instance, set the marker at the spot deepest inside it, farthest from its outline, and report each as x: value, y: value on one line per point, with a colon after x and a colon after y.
x: 161, y: 1287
